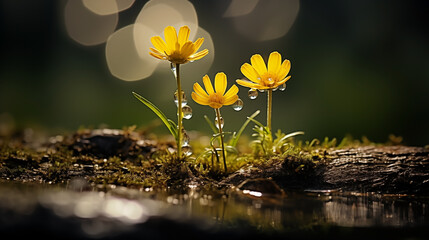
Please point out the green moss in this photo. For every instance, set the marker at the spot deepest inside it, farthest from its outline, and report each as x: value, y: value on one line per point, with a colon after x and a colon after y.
x: 156, y: 167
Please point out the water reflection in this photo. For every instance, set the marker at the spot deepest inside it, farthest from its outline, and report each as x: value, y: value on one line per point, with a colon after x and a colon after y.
x: 107, y: 209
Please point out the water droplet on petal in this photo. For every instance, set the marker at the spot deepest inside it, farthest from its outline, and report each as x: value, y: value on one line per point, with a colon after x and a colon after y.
x: 174, y: 69
x: 275, y: 89
x: 253, y: 93
x: 187, y: 112
x: 238, y: 105
x: 186, y: 149
x: 176, y: 99
x: 282, y: 87
x: 217, y: 122
x: 261, y: 90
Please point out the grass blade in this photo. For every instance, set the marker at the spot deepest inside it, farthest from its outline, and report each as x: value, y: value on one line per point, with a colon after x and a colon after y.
x: 172, y: 127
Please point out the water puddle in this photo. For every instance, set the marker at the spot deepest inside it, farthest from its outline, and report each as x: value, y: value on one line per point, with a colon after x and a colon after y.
x: 97, y: 212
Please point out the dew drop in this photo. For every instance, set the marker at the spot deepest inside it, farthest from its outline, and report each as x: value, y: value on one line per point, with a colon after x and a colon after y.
x: 217, y: 122
x: 187, y: 112
x: 238, y: 105
x: 282, y: 87
x: 261, y: 90
x: 253, y: 93
x: 275, y: 89
x: 186, y: 149
x: 176, y: 99
x: 185, y: 137
x: 174, y: 69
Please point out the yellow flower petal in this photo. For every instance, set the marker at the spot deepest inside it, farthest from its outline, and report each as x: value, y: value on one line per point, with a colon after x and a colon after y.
x: 200, y: 91
x: 249, y: 72
x: 198, y: 55
x: 187, y: 49
x: 198, y: 99
x: 248, y: 84
x: 231, y: 92
x: 258, y: 64
x: 208, y: 85
x: 198, y: 43
x: 220, y: 83
x: 231, y: 100
x: 183, y: 35
x: 282, y: 81
x: 274, y: 62
x: 284, y: 69
x: 162, y: 57
x: 159, y: 44
x: 170, y: 36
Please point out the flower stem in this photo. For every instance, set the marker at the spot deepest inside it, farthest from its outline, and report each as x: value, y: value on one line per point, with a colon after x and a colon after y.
x: 269, y: 108
x: 179, y: 113
x: 221, y: 136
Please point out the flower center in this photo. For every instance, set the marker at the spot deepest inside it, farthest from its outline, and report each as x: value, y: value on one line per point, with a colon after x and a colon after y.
x: 178, y: 57
x: 269, y: 80
x: 216, y: 100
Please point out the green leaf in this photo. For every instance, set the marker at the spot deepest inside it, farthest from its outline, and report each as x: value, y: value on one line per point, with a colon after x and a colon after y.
x: 291, y: 135
x: 172, y: 127
x: 234, y: 140
x: 211, y: 124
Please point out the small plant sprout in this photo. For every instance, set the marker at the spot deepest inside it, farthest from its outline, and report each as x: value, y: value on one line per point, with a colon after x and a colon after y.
x: 216, y: 98
x: 265, y: 79
x: 178, y: 49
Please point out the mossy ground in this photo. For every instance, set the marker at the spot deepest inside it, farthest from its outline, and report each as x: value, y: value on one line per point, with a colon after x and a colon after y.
x: 134, y: 159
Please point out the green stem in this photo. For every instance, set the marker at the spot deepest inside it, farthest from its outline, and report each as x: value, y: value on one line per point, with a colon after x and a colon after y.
x: 269, y: 108
x: 179, y: 113
x: 221, y: 136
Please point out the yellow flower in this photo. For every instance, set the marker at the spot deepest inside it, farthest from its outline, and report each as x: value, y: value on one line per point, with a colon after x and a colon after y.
x: 262, y: 77
x: 218, y: 98
x: 177, y: 48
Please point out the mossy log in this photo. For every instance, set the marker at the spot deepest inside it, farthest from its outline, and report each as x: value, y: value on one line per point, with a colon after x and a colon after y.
x: 382, y: 169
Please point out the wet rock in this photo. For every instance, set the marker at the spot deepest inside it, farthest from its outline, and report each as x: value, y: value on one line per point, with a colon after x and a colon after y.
x: 260, y: 187
x: 105, y: 143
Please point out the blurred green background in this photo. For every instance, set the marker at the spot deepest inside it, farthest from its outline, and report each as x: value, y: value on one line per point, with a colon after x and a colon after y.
x: 358, y: 67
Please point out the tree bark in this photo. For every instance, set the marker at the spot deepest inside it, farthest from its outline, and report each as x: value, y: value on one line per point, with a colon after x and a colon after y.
x: 382, y: 169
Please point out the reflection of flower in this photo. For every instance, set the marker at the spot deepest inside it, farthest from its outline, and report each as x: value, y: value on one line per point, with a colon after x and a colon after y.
x: 177, y: 48
x: 262, y: 78
x: 215, y: 99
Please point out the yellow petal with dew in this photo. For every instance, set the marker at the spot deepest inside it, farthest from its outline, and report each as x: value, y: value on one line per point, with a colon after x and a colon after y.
x: 248, y: 84
x: 198, y: 99
x: 159, y: 44
x: 200, y: 91
x: 208, y: 85
x: 231, y: 92
x: 183, y: 35
x: 220, y: 83
x: 231, y: 100
x: 274, y: 62
x: 198, y: 55
x: 258, y: 64
x: 170, y: 38
x: 249, y: 72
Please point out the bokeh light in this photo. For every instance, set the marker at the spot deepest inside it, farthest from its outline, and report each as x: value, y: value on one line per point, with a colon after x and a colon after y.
x: 269, y: 20
x: 107, y: 7
x: 86, y: 27
x: 122, y: 56
x: 240, y: 7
